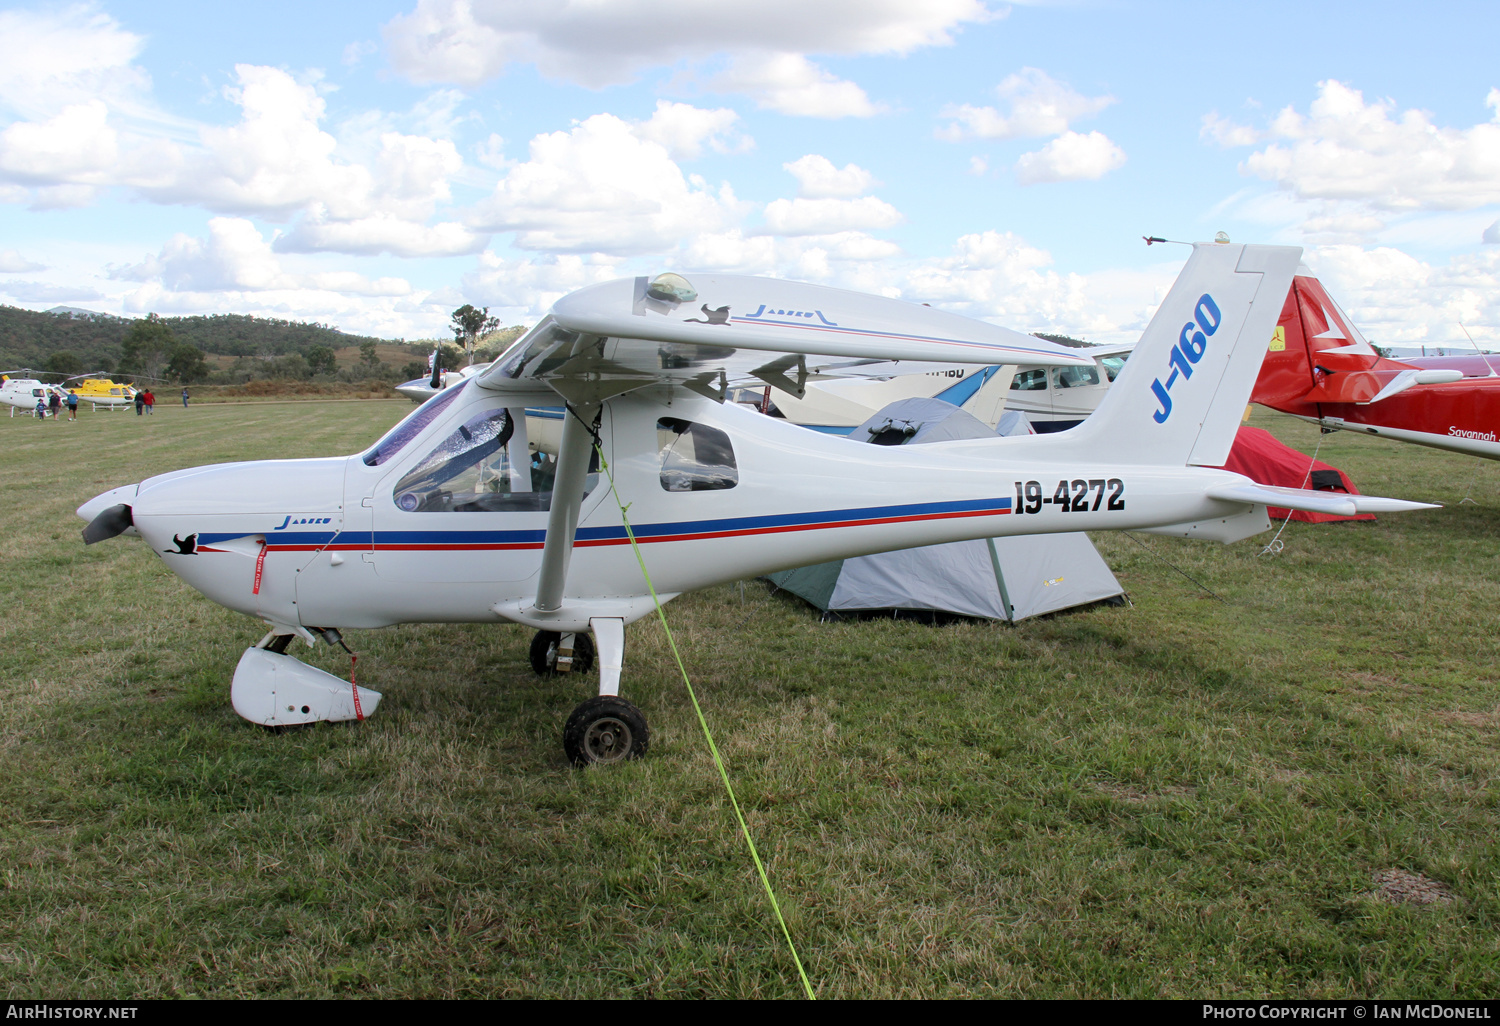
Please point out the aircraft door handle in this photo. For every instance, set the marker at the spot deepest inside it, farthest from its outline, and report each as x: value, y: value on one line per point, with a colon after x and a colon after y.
x: 367, y: 502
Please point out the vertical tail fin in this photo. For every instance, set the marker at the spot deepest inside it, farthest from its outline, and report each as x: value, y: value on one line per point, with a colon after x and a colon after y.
x: 1180, y: 397
x: 1318, y: 356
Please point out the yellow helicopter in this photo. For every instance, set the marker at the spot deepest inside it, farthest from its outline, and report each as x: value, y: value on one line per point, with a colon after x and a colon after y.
x: 103, y: 392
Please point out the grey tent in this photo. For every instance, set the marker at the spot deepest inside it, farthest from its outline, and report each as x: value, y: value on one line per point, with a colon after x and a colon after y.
x: 993, y: 578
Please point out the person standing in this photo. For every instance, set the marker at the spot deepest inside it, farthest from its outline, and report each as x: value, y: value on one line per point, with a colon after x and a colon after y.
x: 41, y: 409
x: 184, y: 398
x: 54, y: 403
x: 72, y: 406
x: 140, y: 403
x: 150, y: 401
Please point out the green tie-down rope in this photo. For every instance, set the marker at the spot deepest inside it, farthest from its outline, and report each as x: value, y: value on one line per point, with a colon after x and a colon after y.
x: 713, y: 748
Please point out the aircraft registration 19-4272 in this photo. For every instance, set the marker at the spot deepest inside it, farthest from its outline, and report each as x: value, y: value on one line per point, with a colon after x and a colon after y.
x: 451, y: 517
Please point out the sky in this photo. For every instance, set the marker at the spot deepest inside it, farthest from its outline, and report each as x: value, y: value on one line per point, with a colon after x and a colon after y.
x: 375, y: 165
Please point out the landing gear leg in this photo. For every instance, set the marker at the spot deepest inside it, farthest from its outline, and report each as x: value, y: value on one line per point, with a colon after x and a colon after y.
x: 606, y: 728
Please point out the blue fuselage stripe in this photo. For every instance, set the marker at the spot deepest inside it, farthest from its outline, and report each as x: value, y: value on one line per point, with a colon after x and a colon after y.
x: 697, y: 528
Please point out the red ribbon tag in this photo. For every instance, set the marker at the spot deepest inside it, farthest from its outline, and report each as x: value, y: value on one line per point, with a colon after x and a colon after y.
x: 359, y: 714
x: 260, y: 565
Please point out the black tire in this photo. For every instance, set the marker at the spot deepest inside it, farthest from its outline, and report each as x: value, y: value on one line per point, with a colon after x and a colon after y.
x: 544, y: 652
x: 604, y: 730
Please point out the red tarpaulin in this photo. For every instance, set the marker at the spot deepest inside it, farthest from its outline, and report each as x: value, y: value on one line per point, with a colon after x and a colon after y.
x: 1264, y: 460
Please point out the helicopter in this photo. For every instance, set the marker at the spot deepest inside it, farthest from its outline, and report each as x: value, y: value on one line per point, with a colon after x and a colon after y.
x: 23, y: 393
x: 449, y: 517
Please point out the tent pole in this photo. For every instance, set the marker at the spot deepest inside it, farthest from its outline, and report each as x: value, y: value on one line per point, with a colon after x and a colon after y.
x: 1010, y: 610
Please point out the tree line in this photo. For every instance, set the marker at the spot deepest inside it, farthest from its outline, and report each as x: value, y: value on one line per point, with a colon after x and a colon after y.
x: 178, y: 348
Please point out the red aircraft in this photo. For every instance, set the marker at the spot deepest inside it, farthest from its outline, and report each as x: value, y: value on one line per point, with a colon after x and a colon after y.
x: 1320, y: 368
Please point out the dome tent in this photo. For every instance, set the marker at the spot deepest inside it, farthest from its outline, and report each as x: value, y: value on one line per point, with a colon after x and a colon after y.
x: 991, y: 578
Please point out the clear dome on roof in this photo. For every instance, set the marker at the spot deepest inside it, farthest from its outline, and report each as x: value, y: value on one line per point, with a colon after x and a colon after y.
x: 672, y: 288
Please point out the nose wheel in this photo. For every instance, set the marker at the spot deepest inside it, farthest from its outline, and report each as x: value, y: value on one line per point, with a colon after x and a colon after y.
x: 605, y: 729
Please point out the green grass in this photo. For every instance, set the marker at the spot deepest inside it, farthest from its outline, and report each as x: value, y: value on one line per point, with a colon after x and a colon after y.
x: 1186, y: 797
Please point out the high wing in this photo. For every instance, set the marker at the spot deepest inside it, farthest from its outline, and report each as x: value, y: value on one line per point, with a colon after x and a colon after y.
x: 727, y: 330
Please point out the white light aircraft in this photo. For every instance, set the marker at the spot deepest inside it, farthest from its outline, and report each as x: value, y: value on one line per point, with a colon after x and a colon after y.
x: 436, y: 523
x: 421, y: 389
x: 1052, y: 398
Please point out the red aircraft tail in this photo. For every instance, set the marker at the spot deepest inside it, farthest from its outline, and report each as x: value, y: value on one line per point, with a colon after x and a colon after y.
x: 1317, y: 355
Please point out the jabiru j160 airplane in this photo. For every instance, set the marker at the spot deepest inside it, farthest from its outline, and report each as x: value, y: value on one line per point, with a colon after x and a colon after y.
x: 447, y: 519
x: 1320, y: 368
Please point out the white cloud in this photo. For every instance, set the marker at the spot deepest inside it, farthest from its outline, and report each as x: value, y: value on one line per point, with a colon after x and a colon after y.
x: 1070, y: 157
x: 46, y: 292
x: 76, y: 143
x: 1037, y: 105
x: 530, y: 286
x: 1395, y: 298
x: 1491, y: 234
x: 379, y: 233
x: 607, y: 42
x: 684, y: 130
x: 358, y: 51
x: 789, y: 83
x: 61, y: 57
x: 602, y: 188
x: 817, y: 178
x: 236, y: 258
x: 827, y: 216
x: 12, y: 262
x: 1345, y: 149
x: 276, y: 161
x: 1222, y: 132
x: 998, y: 276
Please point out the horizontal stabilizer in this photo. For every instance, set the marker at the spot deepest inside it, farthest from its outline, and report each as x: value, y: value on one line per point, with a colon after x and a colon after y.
x: 1334, y: 503
x: 1371, y: 386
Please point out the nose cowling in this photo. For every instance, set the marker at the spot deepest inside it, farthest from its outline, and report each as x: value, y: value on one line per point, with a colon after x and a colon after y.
x: 109, y: 514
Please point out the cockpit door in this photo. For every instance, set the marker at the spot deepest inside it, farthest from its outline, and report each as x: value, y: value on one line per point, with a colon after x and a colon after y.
x: 471, y: 508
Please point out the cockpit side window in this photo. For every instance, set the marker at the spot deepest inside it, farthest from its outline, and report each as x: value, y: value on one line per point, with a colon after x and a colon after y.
x: 1076, y: 377
x: 695, y: 457
x: 1030, y: 380
x: 1113, y: 364
x: 477, y: 470
x: 396, y: 438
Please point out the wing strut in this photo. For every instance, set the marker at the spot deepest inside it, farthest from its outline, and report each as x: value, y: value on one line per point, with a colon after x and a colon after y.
x: 579, y: 426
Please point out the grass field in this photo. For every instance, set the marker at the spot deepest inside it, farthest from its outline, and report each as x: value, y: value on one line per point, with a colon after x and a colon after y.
x: 1192, y: 796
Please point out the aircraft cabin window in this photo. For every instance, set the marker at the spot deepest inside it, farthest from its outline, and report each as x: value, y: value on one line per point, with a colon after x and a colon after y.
x: 473, y: 471
x: 396, y: 438
x: 1076, y: 377
x: 1029, y: 380
x: 694, y: 457
x: 1113, y: 365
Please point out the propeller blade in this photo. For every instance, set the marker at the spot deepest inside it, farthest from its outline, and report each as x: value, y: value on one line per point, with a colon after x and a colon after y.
x: 111, y: 522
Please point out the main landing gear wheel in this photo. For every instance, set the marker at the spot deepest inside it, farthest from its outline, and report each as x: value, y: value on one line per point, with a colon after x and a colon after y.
x: 544, y: 652
x: 605, y: 729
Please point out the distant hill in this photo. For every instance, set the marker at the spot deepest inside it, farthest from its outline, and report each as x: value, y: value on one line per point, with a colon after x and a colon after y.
x: 29, y: 337
x: 1062, y: 340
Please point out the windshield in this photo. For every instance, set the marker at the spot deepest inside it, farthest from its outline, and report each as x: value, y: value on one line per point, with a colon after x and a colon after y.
x: 396, y: 438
